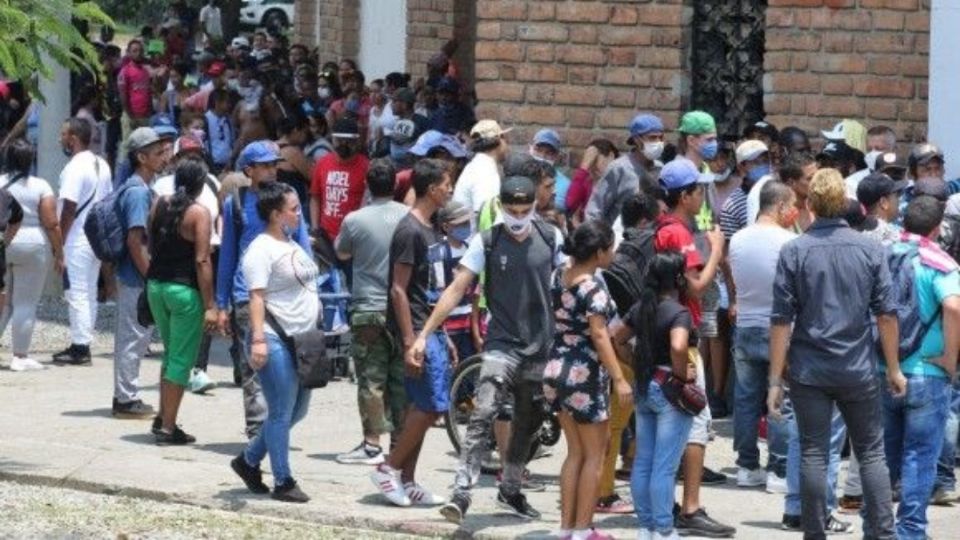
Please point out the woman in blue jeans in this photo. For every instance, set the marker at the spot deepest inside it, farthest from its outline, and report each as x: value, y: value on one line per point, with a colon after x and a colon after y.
x: 282, y: 279
x: 664, y: 335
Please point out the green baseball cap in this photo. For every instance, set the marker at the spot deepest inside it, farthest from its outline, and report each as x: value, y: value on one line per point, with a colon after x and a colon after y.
x: 697, y: 123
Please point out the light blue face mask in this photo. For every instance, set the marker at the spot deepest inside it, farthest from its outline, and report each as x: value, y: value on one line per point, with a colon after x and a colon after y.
x: 461, y: 232
x: 287, y: 231
x: 758, y: 172
x: 709, y: 150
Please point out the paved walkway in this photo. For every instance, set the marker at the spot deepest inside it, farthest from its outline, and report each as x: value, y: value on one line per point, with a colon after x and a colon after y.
x: 57, y: 430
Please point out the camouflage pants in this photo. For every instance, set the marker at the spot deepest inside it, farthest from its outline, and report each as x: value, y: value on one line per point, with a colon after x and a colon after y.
x: 379, y: 365
x: 254, y: 404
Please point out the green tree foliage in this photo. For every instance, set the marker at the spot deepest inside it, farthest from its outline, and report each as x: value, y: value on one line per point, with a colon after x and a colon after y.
x: 34, y: 32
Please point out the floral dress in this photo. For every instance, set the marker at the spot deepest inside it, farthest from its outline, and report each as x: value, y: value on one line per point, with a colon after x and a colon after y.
x: 574, y: 380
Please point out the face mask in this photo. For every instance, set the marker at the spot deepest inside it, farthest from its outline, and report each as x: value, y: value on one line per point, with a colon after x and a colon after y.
x: 66, y: 151
x: 198, y: 133
x: 722, y: 177
x: 324, y: 92
x: 709, y: 150
x: 518, y: 226
x: 287, y: 231
x: 345, y: 151
x: 461, y: 232
x: 652, y: 150
x: 758, y: 172
x: 233, y: 84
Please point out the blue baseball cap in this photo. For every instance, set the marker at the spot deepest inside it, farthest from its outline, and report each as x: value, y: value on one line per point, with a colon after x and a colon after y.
x: 645, y: 123
x: 163, y: 126
x: 548, y: 137
x: 258, y: 152
x: 432, y: 139
x: 678, y: 174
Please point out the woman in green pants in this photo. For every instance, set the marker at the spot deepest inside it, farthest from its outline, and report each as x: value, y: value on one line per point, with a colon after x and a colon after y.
x: 180, y: 290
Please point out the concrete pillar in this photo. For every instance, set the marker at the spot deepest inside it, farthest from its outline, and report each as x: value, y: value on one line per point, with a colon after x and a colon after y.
x: 50, y: 158
x: 944, y: 99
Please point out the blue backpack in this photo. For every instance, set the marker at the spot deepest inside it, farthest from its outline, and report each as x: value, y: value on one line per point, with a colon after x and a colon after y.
x: 904, y: 290
x: 104, y: 228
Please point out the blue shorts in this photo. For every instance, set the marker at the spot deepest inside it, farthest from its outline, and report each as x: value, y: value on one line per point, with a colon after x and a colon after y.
x: 430, y: 392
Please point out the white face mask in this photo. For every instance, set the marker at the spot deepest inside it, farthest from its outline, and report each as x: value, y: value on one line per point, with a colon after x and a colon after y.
x: 652, y: 150
x: 722, y: 177
x: 518, y: 226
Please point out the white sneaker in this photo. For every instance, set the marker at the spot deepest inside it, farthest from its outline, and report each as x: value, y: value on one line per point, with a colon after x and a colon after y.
x: 25, y: 364
x: 644, y: 534
x: 747, y: 478
x: 775, y: 484
x: 387, y: 481
x: 420, y: 496
x: 672, y: 535
x: 363, y: 454
x: 200, y: 382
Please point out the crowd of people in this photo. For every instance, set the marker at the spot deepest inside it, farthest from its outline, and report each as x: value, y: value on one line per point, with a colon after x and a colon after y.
x: 217, y: 187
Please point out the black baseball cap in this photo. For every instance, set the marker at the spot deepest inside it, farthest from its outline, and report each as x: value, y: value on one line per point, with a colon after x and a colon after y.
x: 924, y: 153
x: 518, y: 190
x: 877, y: 186
x: 764, y: 128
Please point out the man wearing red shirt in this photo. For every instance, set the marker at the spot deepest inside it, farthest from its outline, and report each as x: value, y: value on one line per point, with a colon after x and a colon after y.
x: 339, y: 181
x: 133, y: 84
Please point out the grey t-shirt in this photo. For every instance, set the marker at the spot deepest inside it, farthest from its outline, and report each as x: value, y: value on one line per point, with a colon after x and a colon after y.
x: 624, y: 177
x: 365, y: 235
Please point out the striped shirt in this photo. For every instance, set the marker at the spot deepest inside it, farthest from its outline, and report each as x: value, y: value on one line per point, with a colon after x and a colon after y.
x: 734, y: 214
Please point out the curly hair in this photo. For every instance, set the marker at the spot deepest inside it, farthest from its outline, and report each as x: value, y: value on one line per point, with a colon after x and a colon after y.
x: 827, y: 195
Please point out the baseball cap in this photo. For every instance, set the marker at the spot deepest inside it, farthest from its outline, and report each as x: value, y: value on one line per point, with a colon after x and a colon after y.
x: 923, y: 153
x: 406, y: 95
x: 403, y: 132
x: 453, y: 212
x: 891, y: 164
x: 163, y: 126
x: 931, y: 187
x: 216, y: 69
x: 517, y: 190
x: 262, y: 151
x: 876, y: 186
x: 187, y: 143
x: 433, y: 139
x: 764, y: 128
x: 644, y: 123
x: 678, y: 174
x: 750, y: 150
x: 488, y: 129
x: 240, y: 42
x: 697, y: 123
x: 345, y: 128
x: 548, y: 137
x: 142, y: 138
x: 156, y: 47
x: 849, y: 131
x: 835, y: 151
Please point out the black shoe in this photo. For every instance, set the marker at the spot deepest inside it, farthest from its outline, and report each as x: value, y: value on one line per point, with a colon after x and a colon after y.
x: 454, y: 510
x: 177, y: 437
x: 700, y: 524
x: 252, y: 476
x: 289, y: 491
x: 712, y: 478
x: 157, y: 427
x: 517, y: 505
x: 791, y: 523
x: 237, y: 376
x: 136, y: 410
x: 74, y: 355
x: 835, y: 526
x: 718, y: 408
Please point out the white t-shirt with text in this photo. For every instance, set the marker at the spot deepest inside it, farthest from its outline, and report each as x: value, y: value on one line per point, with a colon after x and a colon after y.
x: 288, y: 276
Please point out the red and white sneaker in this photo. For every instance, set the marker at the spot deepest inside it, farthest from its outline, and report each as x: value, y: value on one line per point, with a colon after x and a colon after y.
x: 387, y: 480
x: 420, y: 496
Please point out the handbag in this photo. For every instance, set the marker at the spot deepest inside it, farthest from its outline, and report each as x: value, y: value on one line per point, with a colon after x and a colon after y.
x: 686, y: 396
x: 309, y: 353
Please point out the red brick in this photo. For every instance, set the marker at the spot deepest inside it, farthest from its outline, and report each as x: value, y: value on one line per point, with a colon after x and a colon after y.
x: 501, y: 9
x: 508, y: 72
x: 626, y: 15
x: 661, y: 58
x: 658, y: 100
x: 780, y: 18
x: 834, y: 63
x: 802, y: 83
x: 500, y: 91
x: 541, y: 73
x: 837, y: 42
x: 884, y: 87
x: 776, y: 61
x: 626, y: 36
x: 915, y: 66
x: 846, y: 20
x: 776, y: 104
x: 581, y: 55
x: 801, y: 61
x: 537, y: 116
x: 539, y: 93
x: 540, y: 52
x: 584, y: 118
x: 610, y: 117
x: 487, y: 71
x: 837, y: 86
x: 488, y: 50
x: 668, y: 36
x: 923, y: 87
x: 792, y: 41
x: 795, y: 3
x: 917, y: 22
x: 880, y: 109
x: 661, y: 15
x: 577, y: 95
x: 904, y: 5
x: 838, y: 4
x: 542, y: 32
x: 912, y: 110
x: 621, y: 97
x: 883, y: 42
x: 886, y: 64
x: 488, y: 30
x: 542, y: 11
x: 582, y: 74
x: 583, y: 33
x: 839, y: 107
x: 664, y: 78
x: 582, y: 12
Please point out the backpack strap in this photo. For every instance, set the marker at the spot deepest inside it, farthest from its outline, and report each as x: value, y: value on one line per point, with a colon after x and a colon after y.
x: 549, y: 236
x: 13, y: 180
x: 490, y: 238
x: 96, y: 188
x: 238, y: 196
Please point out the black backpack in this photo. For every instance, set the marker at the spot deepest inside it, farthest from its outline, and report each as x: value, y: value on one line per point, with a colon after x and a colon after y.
x: 627, y: 273
x: 912, y: 327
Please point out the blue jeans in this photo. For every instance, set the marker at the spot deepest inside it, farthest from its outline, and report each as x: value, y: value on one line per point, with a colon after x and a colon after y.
x: 751, y: 356
x: 913, y: 428
x: 946, y: 477
x: 287, y: 404
x: 662, y: 432
x: 838, y: 435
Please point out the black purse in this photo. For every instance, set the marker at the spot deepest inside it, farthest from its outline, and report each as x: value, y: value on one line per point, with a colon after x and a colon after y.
x: 309, y: 352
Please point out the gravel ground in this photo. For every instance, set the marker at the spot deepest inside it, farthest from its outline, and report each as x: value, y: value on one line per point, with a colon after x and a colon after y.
x: 28, y: 511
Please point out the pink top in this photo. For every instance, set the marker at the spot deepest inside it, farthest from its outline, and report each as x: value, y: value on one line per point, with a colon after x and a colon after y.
x: 580, y: 189
x: 134, y: 83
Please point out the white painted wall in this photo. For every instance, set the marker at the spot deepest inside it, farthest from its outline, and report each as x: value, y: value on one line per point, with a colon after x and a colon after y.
x: 944, y: 96
x: 50, y: 158
x: 383, y: 37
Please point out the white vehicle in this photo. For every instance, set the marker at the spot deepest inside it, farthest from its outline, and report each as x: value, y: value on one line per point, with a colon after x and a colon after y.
x: 267, y: 13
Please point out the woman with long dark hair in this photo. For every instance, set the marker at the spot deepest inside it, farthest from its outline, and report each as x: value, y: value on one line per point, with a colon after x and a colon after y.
x: 577, y: 377
x: 664, y: 336
x: 180, y: 290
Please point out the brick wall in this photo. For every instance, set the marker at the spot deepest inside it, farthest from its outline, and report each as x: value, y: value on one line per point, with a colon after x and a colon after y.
x: 431, y: 24
x: 333, y: 26
x: 832, y: 59
x: 583, y: 67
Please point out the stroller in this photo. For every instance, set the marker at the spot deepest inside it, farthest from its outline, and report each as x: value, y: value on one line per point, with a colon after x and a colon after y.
x: 336, y: 302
